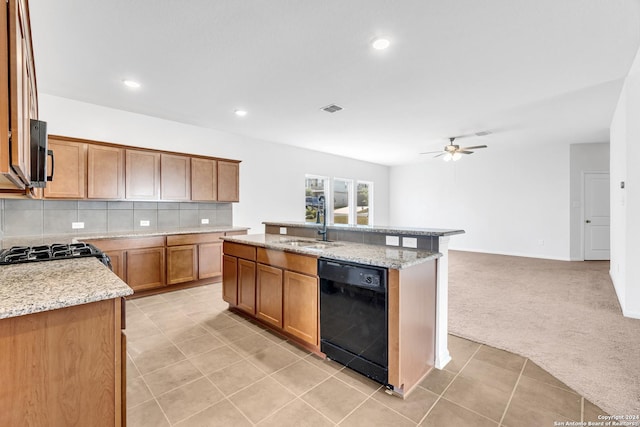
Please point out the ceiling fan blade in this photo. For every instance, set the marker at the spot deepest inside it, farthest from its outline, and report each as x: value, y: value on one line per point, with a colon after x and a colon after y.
x: 468, y: 135
x: 465, y: 152
x: 474, y: 147
x: 432, y: 152
x: 441, y: 154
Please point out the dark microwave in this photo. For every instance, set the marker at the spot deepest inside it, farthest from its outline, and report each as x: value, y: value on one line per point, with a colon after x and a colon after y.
x: 40, y: 154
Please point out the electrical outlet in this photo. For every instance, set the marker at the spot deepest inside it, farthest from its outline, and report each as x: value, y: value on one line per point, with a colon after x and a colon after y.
x: 283, y: 230
x: 145, y: 223
x: 410, y: 242
x: 392, y: 240
x: 204, y: 221
x: 77, y: 225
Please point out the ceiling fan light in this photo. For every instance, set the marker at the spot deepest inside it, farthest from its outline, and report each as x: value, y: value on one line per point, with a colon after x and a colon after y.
x: 380, y: 43
x: 447, y: 157
x: 456, y: 156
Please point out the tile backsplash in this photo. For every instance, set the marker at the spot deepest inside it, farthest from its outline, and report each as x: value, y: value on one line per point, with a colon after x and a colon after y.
x: 47, y: 217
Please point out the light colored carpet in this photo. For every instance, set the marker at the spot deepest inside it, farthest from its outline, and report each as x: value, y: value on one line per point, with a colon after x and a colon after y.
x: 562, y: 315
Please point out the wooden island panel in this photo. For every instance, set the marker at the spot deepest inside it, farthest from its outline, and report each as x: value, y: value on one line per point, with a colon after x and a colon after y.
x: 412, y: 327
x: 63, y: 367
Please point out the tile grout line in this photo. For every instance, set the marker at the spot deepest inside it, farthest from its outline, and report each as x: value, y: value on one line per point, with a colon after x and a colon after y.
x: 203, y: 375
x: 441, y: 395
x: 513, y: 392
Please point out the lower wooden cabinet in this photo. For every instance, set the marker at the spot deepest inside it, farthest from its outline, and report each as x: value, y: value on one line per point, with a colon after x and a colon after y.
x: 230, y: 279
x: 247, y: 286
x: 301, y: 306
x: 209, y: 260
x: 139, y: 261
x: 269, y: 294
x: 145, y: 268
x: 182, y: 264
x: 280, y: 289
x: 64, y: 367
x: 117, y: 263
x: 158, y: 263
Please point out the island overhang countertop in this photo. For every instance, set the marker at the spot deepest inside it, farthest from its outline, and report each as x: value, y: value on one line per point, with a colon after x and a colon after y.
x: 381, y: 256
x: 41, y: 286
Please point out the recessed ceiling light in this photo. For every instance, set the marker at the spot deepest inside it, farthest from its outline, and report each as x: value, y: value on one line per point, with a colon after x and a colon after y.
x: 240, y: 113
x: 131, y: 84
x: 380, y: 43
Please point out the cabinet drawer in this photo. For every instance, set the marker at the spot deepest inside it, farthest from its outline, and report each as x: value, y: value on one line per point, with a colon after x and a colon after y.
x: 240, y: 251
x: 193, y: 239
x: 289, y: 261
x: 128, y: 243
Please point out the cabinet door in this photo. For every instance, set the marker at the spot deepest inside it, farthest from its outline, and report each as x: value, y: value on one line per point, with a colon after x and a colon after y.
x: 142, y: 176
x: 247, y: 286
x: 105, y: 172
x: 145, y: 268
x: 69, y: 172
x: 228, y: 181
x: 22, y: 90
x: 204, y: 180
x: 209, y: 260
x: 175, y: 177
x: 301, y: 306
x: 269, y: 294
x: 117, y: 263
x: 230, y: 279
x: 182, y: 264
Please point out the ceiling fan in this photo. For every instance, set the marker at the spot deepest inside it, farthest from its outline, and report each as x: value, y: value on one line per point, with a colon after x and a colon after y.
x: 454, y: 151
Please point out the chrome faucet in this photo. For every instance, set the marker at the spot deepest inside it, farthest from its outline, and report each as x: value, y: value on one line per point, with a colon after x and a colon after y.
x: 322, y: 207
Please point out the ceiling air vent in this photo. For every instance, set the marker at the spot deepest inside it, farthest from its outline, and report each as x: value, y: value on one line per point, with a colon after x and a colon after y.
x: 332, y: 108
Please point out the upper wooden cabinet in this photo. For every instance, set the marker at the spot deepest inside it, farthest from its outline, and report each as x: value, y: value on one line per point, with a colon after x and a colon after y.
x: 99, y: 170
x: 175, y: 177
x: 204, y: 180
x: 105, y: 172
x: 228, y: 182
x: 142, y: 175
x: 18, y: 95
x: 69, y: 171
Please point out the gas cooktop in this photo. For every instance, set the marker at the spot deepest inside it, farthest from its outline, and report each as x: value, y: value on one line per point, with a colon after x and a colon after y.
x: 57, y: 251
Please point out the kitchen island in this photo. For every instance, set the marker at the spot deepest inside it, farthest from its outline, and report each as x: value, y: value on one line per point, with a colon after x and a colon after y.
x: 274, y: 278
x: 61, y: 344
x: 430, y: 239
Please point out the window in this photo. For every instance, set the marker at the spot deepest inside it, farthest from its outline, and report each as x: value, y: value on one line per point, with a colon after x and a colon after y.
x: 364, y: 203
x: 342, y: 201
x: 348, y: 201
x: 315, y: 186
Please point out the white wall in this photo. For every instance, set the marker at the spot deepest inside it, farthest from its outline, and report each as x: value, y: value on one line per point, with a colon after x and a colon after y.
x: 625, y: 203
x: 583, y: 158
x: 510, y: 199
x: 271, y: 175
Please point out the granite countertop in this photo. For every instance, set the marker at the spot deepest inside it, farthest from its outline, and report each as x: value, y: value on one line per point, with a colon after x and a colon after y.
x: 381, y: 256
x: 373, y: 229
x: 72, y: 238
x: 41, y: 286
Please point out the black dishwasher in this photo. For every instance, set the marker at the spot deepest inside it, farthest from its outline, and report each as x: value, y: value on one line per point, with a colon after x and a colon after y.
x: 353, y: 316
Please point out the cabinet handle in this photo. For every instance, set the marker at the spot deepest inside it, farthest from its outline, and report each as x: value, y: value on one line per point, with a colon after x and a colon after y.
x: 50, y: 154
x: 588, y: 221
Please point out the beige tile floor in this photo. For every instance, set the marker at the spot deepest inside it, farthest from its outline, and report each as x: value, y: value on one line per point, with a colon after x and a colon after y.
x: 191, y: 362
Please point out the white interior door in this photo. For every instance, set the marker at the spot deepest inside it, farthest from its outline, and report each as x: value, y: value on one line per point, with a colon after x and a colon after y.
x: 596, y: 216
